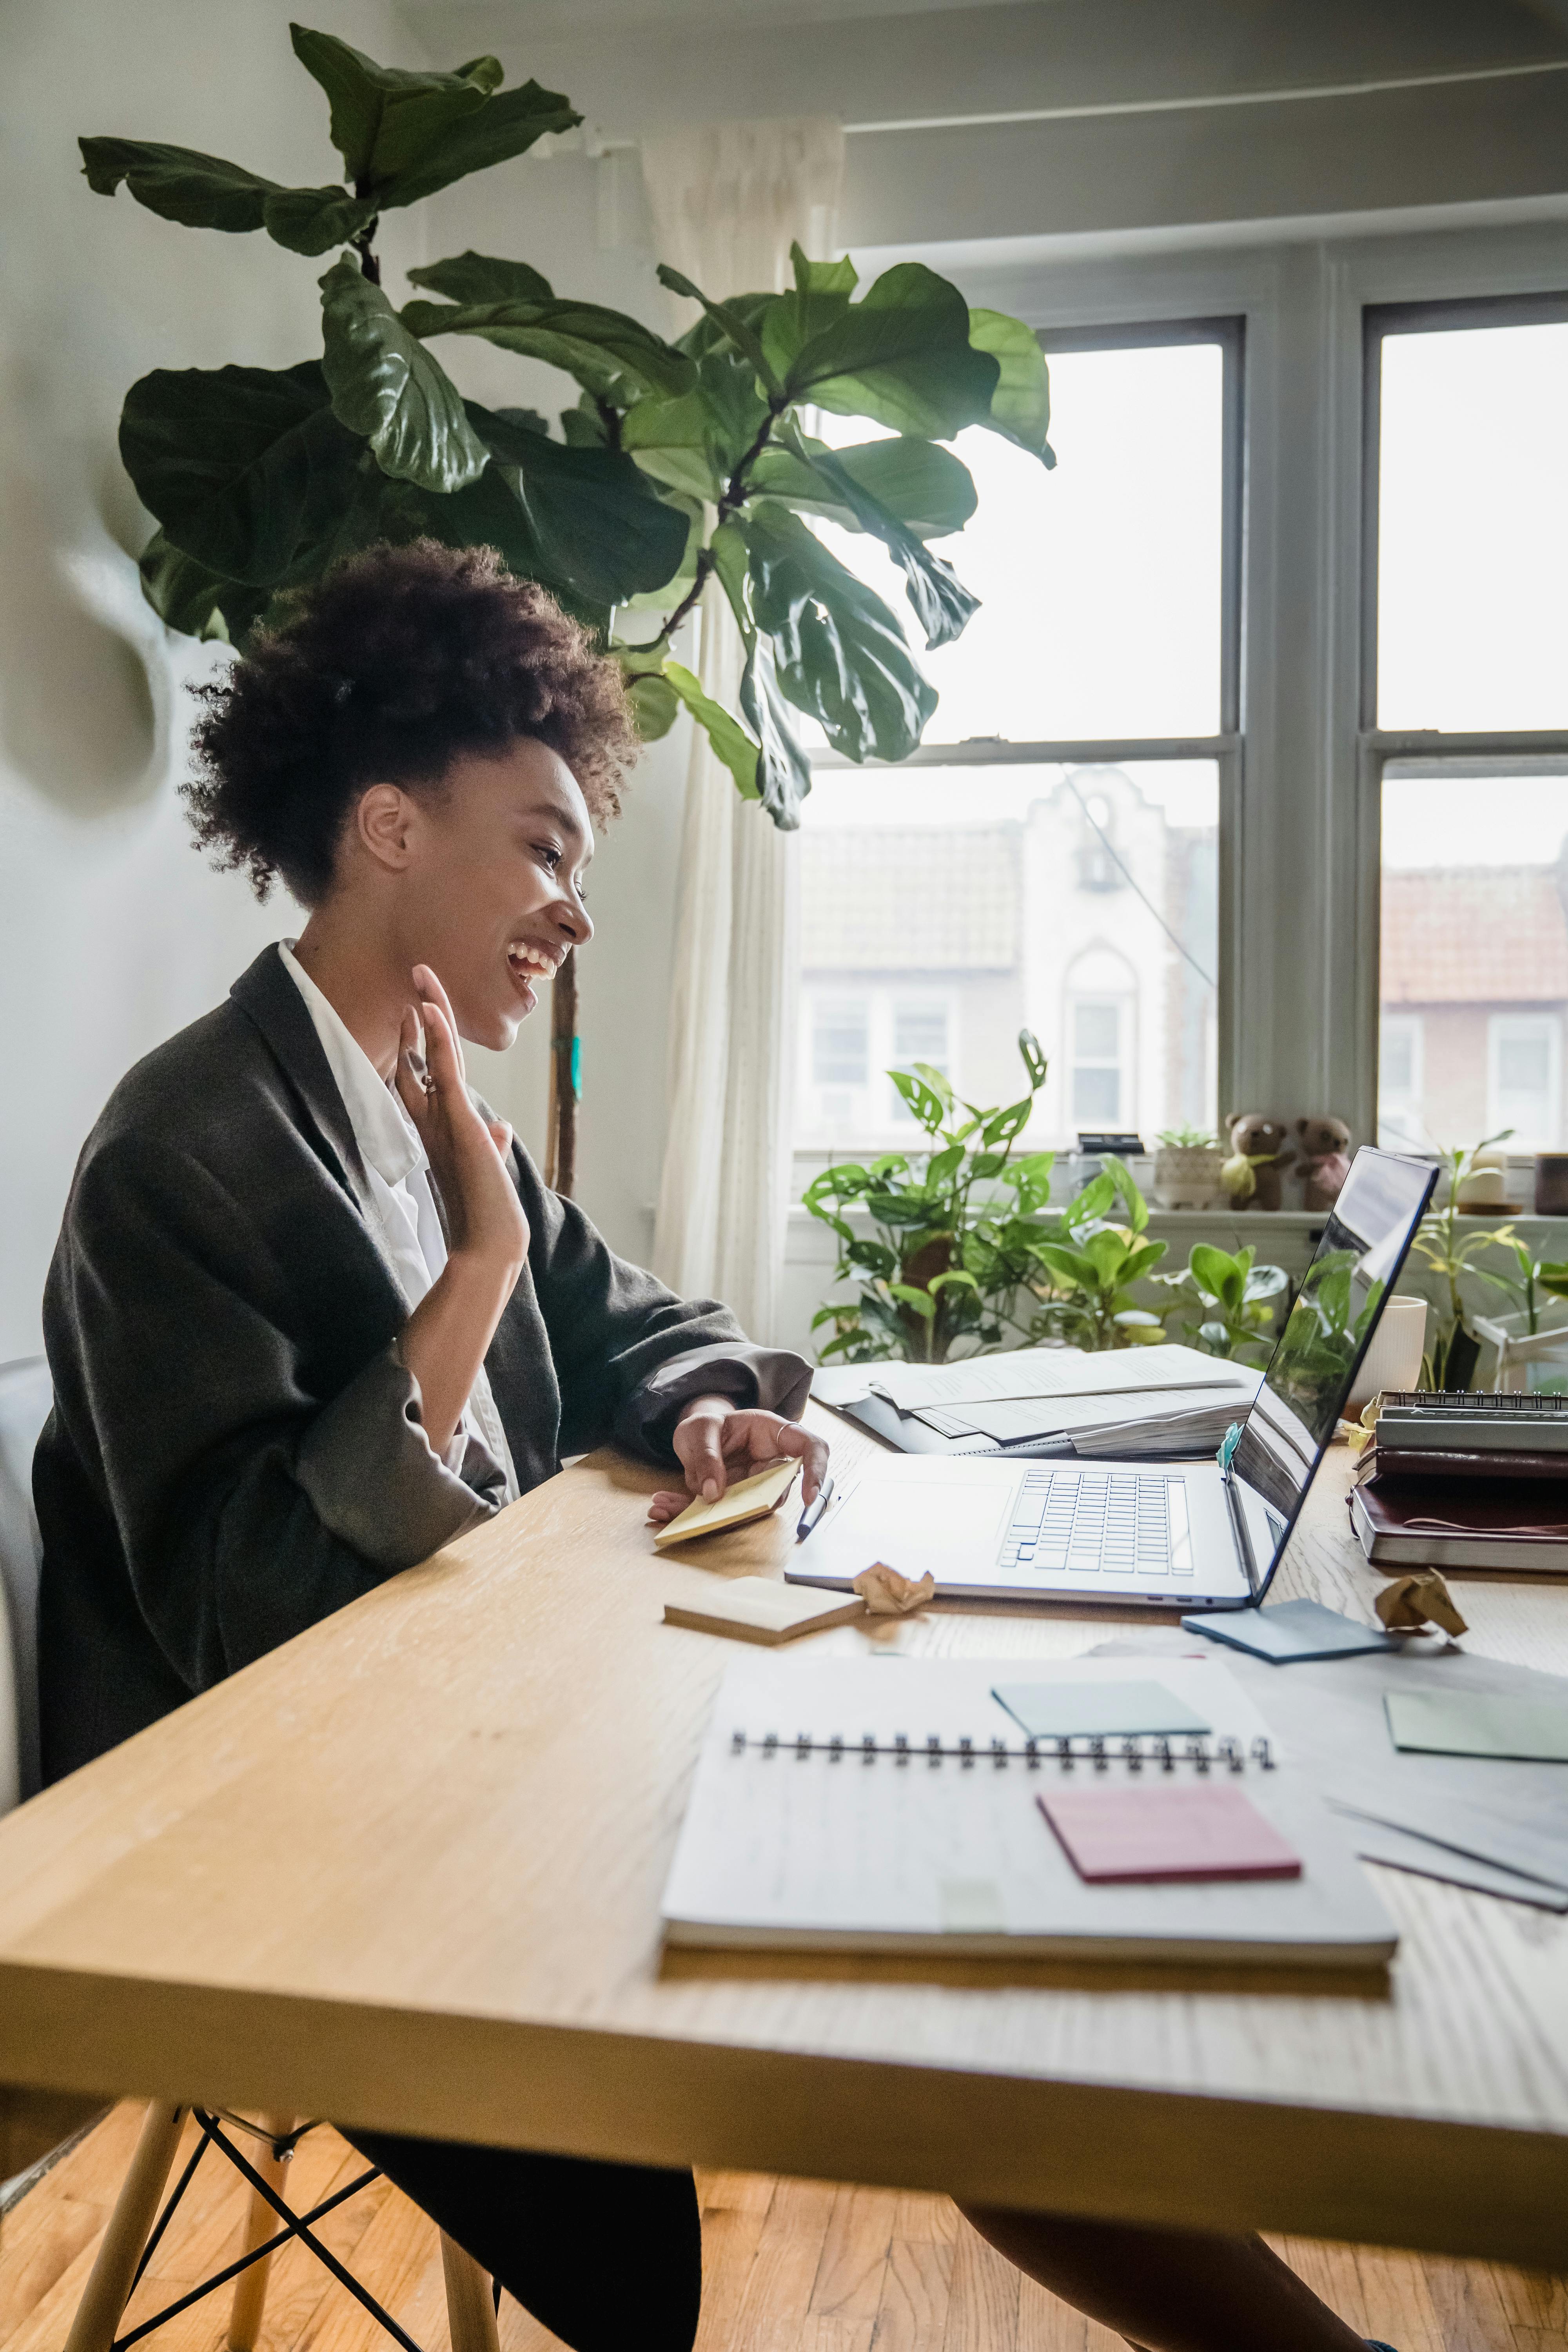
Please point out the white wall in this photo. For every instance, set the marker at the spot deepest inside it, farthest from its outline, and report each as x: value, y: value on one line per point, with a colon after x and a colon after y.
x: 113, y: 933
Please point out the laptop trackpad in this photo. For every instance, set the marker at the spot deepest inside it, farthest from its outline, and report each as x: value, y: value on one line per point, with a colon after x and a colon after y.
x: 914, y: 1525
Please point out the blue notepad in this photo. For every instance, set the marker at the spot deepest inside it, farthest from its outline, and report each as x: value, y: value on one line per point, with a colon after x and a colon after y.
x: 1292, y: 1632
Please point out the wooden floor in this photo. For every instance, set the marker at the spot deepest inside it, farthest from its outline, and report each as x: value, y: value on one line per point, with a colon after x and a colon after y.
x: 791, y: 2266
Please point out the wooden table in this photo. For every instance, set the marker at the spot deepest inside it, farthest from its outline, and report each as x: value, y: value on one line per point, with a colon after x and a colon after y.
x: 406, y: 1872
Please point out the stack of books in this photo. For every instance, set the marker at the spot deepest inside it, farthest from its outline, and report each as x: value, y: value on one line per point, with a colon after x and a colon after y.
x: 1461, y: 1479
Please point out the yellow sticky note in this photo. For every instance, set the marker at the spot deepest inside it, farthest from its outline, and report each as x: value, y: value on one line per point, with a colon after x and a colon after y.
x: 748, y: 1498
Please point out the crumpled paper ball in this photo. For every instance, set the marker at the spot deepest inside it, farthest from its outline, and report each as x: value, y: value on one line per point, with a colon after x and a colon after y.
x: 887, y: 1593
x: 1420, y: 1598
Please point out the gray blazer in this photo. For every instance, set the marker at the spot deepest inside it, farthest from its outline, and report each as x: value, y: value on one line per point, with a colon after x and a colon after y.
x: 234, y: 1449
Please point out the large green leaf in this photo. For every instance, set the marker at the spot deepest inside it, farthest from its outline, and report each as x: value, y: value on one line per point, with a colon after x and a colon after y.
x: 178, y: 183
x: 594, y: 523
x: 784, y: 772
x: 942, y: 605
x: 695, y: 441
x: 731, y: 742
x: 819, y: 299
x: 386, y: 387
x: 924, y: 486
x: 840, y: 655
x: 312, y: 220
x: 903, y: 356
x: 708, y: 335
x: 241, y: 466
x: 733, y: 321
x: 206, y: 192
x: 505, y: 126
x: 599, y: 347
x: 482, y: 278
x: 402, y: 135
x: 383, y: 116
x: 1021, y: 403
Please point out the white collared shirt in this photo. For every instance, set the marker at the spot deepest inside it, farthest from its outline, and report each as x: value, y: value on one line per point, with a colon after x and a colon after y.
x: 396, y: 1168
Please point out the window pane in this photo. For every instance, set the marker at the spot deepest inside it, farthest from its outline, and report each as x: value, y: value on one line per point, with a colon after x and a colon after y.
x: 838, y: 1044
x: 1472, y: 520
x: 1097, y: 1097
x: 1474, y: 959
x: 920, y: 1034
x: 1096, y: 1029
x: 960, y: 904
x: 1100, y: 582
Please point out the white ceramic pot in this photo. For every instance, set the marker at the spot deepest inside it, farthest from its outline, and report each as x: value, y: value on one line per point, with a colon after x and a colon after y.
x: 1186, y: 1176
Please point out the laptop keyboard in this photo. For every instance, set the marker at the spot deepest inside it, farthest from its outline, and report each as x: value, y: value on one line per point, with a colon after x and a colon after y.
x: 1100, y: 1522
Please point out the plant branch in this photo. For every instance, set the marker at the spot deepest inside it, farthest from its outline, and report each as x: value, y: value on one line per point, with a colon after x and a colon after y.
x: 736, y: 489
x: 364, y: 243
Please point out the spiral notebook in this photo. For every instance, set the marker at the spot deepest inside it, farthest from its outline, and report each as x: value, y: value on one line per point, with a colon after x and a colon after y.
x: 894, y: 1805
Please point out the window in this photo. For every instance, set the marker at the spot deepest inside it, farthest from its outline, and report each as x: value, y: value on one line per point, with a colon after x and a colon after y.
x: 919, y: 1035
x: 1524, y: 1055
x: 1097, y: 1081
x: 849, y: 1042
x: 1466, y: 614
x: 1399, y: 1080
x: 1050, y: 856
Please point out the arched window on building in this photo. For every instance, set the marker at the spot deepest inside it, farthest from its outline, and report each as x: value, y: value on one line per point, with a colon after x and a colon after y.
x: 1101, y: 1027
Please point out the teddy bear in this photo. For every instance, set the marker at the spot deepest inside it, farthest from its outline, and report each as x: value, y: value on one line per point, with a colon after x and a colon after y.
x: 1251, y: 1175
x: 1324, y: 1161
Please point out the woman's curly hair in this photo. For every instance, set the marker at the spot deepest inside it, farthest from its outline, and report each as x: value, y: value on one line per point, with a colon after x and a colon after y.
x: 398, y: 661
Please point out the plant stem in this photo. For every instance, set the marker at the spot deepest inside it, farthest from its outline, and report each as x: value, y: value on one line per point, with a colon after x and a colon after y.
x: 736, y: 491
x: 364, y: 243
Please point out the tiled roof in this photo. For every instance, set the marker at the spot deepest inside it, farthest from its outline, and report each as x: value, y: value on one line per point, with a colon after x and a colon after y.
x: 1494, y: 935
x: 873, y: 899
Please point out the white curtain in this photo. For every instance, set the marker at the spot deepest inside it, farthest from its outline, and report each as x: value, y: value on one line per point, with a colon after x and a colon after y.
x: 728, y: 200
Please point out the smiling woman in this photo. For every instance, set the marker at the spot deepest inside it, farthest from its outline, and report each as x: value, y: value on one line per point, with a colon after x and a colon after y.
x: 312, y: 1313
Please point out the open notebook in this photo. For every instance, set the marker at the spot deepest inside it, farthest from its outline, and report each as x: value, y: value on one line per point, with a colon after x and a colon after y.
x: 869, y: 1805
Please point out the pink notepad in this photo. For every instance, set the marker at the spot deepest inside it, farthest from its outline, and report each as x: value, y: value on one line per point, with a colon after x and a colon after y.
x: 1199, y: 1830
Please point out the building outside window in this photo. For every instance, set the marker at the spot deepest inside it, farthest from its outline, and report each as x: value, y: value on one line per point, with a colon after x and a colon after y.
x: 1049, y: 859
x: 1466, y: 617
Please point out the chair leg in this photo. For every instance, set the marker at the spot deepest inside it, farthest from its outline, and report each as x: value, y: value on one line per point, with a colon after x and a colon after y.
x: 470, y: 2305
x: 107, y: 2289
x: 260, y: 2224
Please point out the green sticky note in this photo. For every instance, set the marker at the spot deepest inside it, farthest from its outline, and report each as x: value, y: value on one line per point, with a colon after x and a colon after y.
x: 1095, y: 1710
x: 1436, y: 1723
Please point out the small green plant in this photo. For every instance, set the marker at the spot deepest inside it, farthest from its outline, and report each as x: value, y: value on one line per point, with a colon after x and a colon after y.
x: 1537, y: 1280
x: 1323, y: 1339
x: 1456, y: 1348
x: 1093, y: 1261
x: 1223, y: 1305
x: 954, y: 1230
x: 1187, y: 1138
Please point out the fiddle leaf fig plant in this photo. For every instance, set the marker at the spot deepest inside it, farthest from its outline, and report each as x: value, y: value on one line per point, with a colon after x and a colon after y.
x: 680, y: 462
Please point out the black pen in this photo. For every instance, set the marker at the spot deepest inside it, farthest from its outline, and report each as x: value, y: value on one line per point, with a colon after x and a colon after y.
x: 812, y: 1511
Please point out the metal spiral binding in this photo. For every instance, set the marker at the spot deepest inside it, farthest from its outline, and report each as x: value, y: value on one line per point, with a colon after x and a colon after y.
x: 1159, y: 1753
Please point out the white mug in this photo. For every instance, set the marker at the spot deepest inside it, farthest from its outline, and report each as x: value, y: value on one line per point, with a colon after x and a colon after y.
x: 1393, y: 1358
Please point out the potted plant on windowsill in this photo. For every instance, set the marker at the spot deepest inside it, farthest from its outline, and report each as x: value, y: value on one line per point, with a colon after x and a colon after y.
x: 1186, y: 1170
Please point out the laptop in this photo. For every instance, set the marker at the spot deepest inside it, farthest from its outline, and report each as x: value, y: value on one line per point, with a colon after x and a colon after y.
x: 1201, y: 1535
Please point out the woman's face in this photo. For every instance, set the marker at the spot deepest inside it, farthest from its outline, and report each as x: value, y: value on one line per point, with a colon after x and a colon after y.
x: 492, y: 894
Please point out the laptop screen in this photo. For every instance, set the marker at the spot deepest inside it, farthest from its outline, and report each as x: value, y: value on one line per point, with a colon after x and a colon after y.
x: 1365, y: 1242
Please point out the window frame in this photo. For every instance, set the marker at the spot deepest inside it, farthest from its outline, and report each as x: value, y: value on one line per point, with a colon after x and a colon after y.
x: 1228, y: 330
x: 1425, y: 753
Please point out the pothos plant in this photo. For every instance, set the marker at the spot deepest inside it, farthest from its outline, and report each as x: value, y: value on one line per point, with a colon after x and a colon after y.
x: 679, y: 462
x: 951, y: 1233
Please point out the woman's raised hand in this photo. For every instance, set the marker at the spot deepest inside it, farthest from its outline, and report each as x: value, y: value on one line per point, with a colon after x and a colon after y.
x: 467, y: 1155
